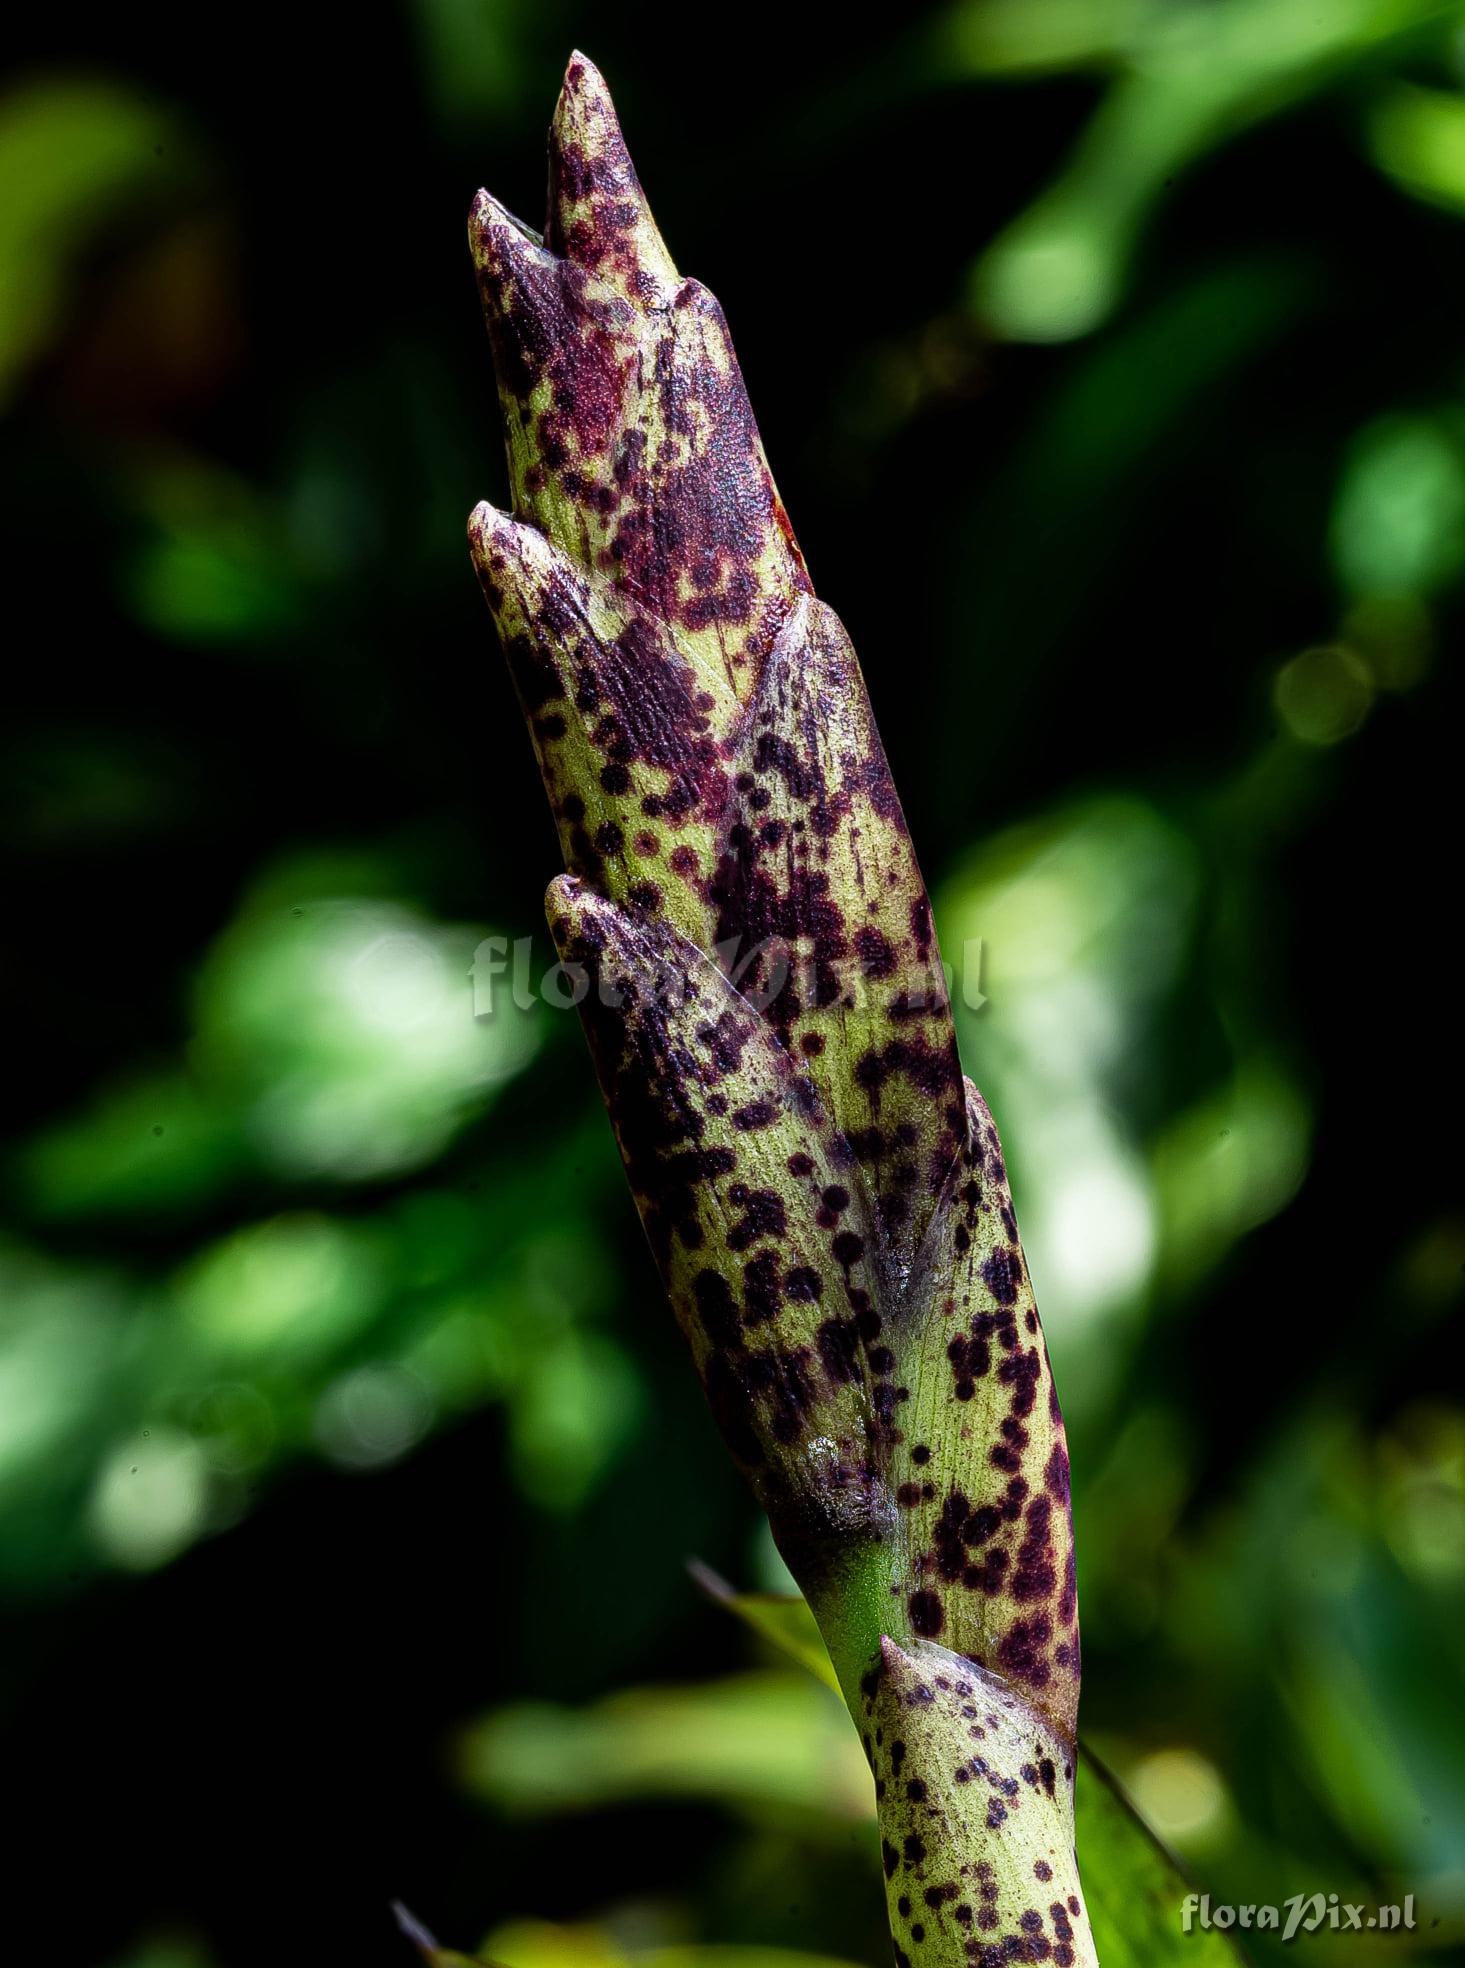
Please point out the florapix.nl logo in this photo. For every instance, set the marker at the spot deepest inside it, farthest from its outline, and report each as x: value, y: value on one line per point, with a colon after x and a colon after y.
x: 514, y: 972
x: 1304, y: 1913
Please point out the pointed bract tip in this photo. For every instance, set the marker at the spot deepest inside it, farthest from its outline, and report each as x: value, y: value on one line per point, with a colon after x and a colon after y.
x: 585, y: 109
x: 567, y: 900
x: 598, y: 214
x: 485, y: 525
x: 585, y: 923
x: 584, y: 115
x: 485, y: 214
x: 892, y: 1655
x: 619, y: 942
x: 490, y: 539
x: 515, y: 550
x: 582, y: 77
x: 500, y: 243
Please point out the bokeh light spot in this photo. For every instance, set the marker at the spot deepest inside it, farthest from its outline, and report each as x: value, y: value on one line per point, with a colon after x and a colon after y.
x: 1323, y: 695
x: 150, y: 1500
x: 372, y: 1415
x: 299, y: 1280
x: 1051, y: 279
x: 1182, y: 1794
x: 1399, y: 518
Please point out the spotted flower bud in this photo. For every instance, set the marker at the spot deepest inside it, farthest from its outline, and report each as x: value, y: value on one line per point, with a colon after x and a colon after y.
x: 823, y: 1192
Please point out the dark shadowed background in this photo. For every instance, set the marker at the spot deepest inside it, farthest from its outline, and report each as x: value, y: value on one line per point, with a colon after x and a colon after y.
x: 1110, y: 355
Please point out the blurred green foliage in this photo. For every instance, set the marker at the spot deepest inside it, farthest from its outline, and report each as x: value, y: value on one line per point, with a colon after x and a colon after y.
x: 337, y: 1403
x: 770, y: 1744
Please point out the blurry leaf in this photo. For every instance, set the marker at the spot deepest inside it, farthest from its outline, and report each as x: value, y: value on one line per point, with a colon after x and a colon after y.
x: 205, y: 587
x: 1112, y: 439
x: 138, y: 1413
x: 336, y: 1036
x: 73, y: 155
x: 1085, y: 917
x: 750, y: 1741
x: 735, y: 1957
x: 1398, y: 524
x: 295, y: 1286
x: 762, y: 1741
x: 544, y: 1759
x: 1191, y: 78
x: 784, y: 1619
x: 543, y: 1944
x: 1418, y: 137
x: 579, y: 1401
x: 1229, y: 1163
x: 345, y: 1028
x: 1031, y: 37
x: 214, y: 566
x: 1371, y: 1675
x: 63, y: 1332
x: 1135, y: 1890
x: 159, y: 1145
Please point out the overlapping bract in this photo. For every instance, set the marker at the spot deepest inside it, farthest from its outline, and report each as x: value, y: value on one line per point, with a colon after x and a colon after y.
x: 824, y: 1194
x: 975, y: 1793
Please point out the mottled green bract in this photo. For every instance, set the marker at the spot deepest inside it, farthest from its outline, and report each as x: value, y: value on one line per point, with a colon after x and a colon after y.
x: 824, y: 1194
